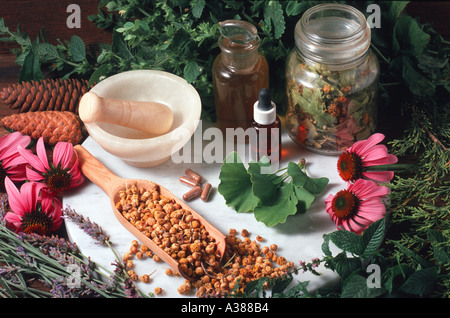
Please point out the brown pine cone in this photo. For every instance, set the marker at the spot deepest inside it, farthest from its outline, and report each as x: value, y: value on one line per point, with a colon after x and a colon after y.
x: 43, y: 95
x: 53, y: 126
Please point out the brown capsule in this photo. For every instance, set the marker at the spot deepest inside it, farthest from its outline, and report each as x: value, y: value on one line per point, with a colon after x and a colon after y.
x: 205, y: 192
x: 188, y: 181
x: 191, y: 174
x: 192, y: 194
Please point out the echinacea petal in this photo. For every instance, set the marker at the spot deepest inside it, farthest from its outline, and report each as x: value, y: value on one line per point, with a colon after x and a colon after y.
x: 13, y: 219
x: 62, y: 154
x: 31, y: 159
x: 379, y: 176
x: 14, y: 197
x: 42, y: 154
x: 360, y: 147
x: 34, y: 175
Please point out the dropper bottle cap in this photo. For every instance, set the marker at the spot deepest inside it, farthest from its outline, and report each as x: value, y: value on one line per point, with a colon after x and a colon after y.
x: 264, y: 109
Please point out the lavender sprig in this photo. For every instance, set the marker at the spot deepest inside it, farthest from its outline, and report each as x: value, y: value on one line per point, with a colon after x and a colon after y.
x: 91, y: 228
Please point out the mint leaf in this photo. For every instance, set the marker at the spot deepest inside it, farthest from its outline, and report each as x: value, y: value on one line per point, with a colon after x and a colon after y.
x: 235, y: 185
x: 31, y: 68
x: 46, y: 52
x: 77, y: 49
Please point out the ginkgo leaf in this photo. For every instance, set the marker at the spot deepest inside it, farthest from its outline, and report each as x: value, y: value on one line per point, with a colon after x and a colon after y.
x: 235, y: 185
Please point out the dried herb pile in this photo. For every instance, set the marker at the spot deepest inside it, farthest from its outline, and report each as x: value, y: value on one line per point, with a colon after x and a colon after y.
x: 412, y: 246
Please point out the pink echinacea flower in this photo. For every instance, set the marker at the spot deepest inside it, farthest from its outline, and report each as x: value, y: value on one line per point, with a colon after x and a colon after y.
x: 356, y: 161
x: 358, y: 206
x: 33, y: 209
x: 62, y: 174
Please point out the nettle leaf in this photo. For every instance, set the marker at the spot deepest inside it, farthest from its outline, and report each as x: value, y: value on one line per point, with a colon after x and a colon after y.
x: 235, y: 185
x: 284, y: 204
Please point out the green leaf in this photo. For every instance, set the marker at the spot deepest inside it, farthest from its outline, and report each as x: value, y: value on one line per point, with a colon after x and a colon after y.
x: 408, y: 35
x: 273, y: 13
x: 77, y: 49
x: 235, y: 185
x: 265, y: 185
x: 347, y: 241
x: 372, y: 237
x: 191, y: 71
x: 420, y: 282
x: 119, y: 47
x: 305, y: 199
x: 284, y: 204
x: 31, y: 68
x: 300, y: 179
x: 356, y: 287
x: 103, y: 70
x: 197, y: 7
x: 46, y: 52
x: 440, y: 246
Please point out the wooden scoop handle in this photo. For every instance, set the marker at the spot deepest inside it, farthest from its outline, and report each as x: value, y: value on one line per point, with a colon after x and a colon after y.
x: 150, y: 117
x: 95, y: 171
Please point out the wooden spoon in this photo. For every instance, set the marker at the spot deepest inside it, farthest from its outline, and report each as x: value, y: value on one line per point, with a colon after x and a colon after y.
x: 150, y: 117
x: 111, y: 184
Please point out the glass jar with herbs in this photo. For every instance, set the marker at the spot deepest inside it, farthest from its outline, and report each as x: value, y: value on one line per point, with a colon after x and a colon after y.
x: 331, y: 80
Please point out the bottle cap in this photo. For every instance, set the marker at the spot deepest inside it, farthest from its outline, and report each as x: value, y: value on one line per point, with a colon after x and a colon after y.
x: 264, y: 109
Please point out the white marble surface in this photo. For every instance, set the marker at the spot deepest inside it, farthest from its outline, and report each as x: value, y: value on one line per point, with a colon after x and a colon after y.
x: 298, y: 239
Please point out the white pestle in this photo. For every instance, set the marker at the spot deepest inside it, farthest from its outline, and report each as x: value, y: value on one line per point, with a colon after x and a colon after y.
x: 150, y: 117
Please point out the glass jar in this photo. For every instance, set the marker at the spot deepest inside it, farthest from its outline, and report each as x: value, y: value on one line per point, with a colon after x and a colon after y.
x: 240, y: 71
x: 331, y: 80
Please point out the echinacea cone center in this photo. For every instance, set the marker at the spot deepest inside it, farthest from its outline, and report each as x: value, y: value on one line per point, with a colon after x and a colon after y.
x: 349, y: 166
x: 58, y: 180
x: 345, y: 204
x: 36, y: 222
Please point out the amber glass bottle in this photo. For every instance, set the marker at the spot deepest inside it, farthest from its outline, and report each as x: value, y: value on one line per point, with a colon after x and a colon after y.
x: 239, y: 72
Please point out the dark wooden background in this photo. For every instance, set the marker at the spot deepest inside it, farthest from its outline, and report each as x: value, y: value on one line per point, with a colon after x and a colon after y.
x: 32, y: 15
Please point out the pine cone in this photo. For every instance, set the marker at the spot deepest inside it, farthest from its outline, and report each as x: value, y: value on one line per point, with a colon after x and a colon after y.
x: 44, y: 95
x: 53, y: 126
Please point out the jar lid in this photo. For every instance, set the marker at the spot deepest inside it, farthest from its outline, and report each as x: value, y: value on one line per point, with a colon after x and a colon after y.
x: 333, y: 34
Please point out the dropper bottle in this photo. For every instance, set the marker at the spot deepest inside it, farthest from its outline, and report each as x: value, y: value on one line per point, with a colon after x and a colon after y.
x: 267, y: 126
